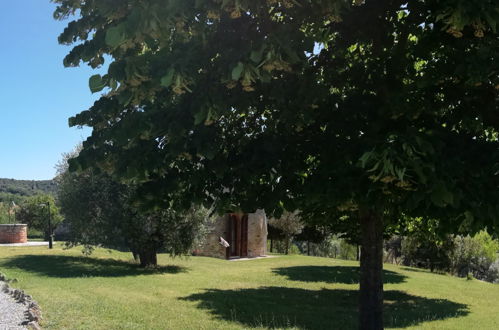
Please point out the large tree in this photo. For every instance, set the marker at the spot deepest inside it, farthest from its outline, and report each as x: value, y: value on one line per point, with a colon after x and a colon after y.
x: 369, y: 108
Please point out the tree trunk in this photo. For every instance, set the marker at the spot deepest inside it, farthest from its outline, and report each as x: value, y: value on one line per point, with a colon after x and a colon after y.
x: 358, y: 253
x: 135, y: 255
x: 271, y: 245
x: 148, y: 257
x: 371, y: 272
x: 308, y: 248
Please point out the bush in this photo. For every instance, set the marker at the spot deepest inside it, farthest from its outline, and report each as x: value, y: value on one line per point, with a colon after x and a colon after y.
x: 329, y: 247
x: 493, y: 272
x: 464, y: 256
x: 475, y: 255
x: 426, y: 251
x: 282, y: 246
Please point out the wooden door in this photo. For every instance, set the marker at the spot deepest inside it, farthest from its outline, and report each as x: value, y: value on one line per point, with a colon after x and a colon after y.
x: 237, y: 236
x: 244, y: 236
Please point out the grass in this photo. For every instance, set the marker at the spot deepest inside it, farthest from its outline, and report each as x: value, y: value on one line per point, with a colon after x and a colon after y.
x: 107, y: 291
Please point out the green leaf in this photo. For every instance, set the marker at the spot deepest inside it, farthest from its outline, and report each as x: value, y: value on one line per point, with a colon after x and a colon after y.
x: 113, y: 84
x: 72, y: 121
x: 365, y: 157
x: 469, y: 216
x: 115, y: 36
x: 167, y: 79
x: 199, y: 117
x: 125, y: 97
x: 400, y: 173
x: 491, y: 21
x: 237, y: 71
x: 96, y: 83
x: 257, y: 55
x: 74, y: 165
x: 441, y: 196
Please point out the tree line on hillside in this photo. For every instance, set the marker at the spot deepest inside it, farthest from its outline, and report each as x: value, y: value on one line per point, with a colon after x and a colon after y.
x: 11, y: 189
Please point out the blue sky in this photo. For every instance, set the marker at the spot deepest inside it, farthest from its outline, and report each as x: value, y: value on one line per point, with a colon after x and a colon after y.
x: 37, y: 93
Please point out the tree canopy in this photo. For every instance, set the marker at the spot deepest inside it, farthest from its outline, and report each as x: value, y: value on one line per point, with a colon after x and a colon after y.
x: 294, y: 101
x: 373, y: 108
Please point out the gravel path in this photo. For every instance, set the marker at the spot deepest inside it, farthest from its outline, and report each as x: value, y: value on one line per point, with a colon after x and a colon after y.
x: 11, y: 313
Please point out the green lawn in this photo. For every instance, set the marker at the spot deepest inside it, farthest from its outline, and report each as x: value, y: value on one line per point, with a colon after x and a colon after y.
x: 106, y: 292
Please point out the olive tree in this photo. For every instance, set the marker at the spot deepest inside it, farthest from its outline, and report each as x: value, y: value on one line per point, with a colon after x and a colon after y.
x: 100, y: 212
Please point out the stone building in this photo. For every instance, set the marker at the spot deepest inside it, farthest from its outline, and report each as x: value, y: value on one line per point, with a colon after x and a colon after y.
x: 245, y: 235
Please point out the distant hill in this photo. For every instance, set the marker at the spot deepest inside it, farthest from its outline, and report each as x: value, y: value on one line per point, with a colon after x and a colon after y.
x: 11, y: 189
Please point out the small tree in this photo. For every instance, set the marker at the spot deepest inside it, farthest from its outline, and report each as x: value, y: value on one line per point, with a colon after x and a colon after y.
x: 312, y: 234
x: 34, y: 212
x: 289, y: 224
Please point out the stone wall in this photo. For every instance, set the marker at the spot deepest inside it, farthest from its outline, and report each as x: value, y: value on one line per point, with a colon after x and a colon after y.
x: 16, y: 233
x: 211, y: 247
x: 257, y: 234
x: 257, y: 237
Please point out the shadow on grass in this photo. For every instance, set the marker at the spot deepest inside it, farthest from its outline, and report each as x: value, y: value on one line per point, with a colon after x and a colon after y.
x: 71, y: 266
x: 277, y: 307
x: 332, y: 274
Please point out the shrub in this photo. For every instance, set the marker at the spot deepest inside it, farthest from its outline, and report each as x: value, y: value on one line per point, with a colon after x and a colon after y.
x: 427, y: 252
x: 493, y: 272
x: 330, y: 247
x: 289, y: 224
x: 474, y: 255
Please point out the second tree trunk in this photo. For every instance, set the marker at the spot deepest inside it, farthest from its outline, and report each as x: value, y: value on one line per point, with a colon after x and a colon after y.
x: 371, y: 272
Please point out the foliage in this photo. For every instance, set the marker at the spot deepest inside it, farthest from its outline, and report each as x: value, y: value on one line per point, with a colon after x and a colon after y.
x: 312, y: 234
x: 475, y: 255
x: 330, y: 247
x: 99, y: 211
x: 493, y: 272
x: 384, y: 108
x: 9, y: 198
x: 393, y: 249
x: 460, y: 255
x: 423, y: 245
x: 35, y: 211
x: 426, y: 252
x: 282, y: 246
x: 6, y: 213
x: 289, y: 224
x: 11, y: 189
